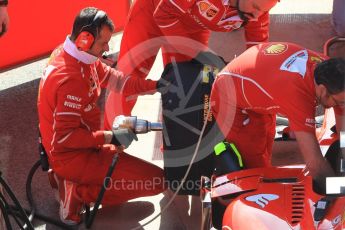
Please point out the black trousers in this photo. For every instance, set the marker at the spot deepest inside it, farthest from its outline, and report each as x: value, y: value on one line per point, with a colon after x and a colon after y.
x: 185, y: 108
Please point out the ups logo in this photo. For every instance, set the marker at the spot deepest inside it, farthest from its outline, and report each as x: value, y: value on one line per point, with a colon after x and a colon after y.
x: 275, y: 49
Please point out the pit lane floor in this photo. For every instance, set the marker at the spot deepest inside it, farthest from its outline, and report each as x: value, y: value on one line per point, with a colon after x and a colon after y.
x: 306, y: 22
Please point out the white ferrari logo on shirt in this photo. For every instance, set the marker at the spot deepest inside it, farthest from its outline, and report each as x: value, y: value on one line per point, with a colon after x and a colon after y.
x: 296, y: 63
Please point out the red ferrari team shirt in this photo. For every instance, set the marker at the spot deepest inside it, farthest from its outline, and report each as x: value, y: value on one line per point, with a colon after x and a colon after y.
x: 178, y: 17
x: 67, y: 102
x: 270, y: 78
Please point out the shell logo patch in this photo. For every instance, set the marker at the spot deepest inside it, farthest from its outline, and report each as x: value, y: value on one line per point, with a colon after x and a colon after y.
x: 207, y: 10
x: 315, y: 59
x: 275, y: 49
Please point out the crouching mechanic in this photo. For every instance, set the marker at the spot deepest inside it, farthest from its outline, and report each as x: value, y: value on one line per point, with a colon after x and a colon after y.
x: 78, y: 151
x: 276, y: 78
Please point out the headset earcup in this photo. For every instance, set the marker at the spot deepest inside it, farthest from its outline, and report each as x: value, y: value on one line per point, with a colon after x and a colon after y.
x: 84, y: 41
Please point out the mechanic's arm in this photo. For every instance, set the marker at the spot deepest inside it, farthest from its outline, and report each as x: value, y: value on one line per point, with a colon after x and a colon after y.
x: 73, y: 103
x: 167, y: 16
x: 115, y: 80
x: 257, y: 31
x: 318, y: 166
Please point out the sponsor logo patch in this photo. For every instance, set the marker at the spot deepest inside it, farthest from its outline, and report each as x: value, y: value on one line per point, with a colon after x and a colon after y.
x: 310, y: 122
x: 211, y: 13
x: 262, y: 199
x: 47, y: 71
x: 336, y: 220
x: 209, y: 71
x: 315, y: 59
x: 88, y: 108
x: 72, y: 105
x: 74, y: 98
x: 296, y: 63
x: 232, y: 23
x: 93, y: 83
x: 206, y: 108
x: 203, y: 6
x: 275, y: 49
x: 207, y: 10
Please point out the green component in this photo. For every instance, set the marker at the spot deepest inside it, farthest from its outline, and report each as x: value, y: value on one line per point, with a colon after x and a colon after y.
x: 219, y: 148
x: 237, y: 154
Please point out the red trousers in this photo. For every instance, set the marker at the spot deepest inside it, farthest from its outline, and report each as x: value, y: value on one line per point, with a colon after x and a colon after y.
x: 131, y: 178
x: 141, y: 41
x: 253, y: 135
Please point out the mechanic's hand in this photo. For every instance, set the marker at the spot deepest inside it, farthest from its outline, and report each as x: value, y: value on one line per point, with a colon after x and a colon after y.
x: 163, y: 86
x: 123, y: 137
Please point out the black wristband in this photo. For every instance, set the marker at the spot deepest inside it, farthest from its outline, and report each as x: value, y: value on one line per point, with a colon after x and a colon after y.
x: 115, y: 141
x: 4, y: 3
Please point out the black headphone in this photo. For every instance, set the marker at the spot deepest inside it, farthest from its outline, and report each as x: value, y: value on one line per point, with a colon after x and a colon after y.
x: 86, y: 36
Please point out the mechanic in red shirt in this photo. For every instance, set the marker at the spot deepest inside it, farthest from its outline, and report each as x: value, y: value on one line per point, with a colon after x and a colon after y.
x: 79, y: 152
x: 182, y: 29
x: 276, y: 78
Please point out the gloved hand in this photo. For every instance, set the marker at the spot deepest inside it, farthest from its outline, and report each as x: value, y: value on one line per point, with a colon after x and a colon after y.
x: 123, y: 137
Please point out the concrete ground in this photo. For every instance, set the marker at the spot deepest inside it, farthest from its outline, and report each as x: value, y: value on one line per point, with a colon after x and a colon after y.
x: 306, y: 22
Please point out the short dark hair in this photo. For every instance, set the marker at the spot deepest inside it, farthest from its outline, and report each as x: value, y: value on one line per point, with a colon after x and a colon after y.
x: 85, y: 21
x: 331, y: 73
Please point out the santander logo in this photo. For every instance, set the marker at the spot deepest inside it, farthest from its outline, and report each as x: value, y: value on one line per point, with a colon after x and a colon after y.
x: 262, y: 199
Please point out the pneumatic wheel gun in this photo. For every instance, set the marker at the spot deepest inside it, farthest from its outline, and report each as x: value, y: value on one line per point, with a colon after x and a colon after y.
x: 136, y: 125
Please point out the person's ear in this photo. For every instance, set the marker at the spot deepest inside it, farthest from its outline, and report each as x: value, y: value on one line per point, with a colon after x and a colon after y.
x: 324, y: 90
x: 321, y: 90
x: 321, y: 93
